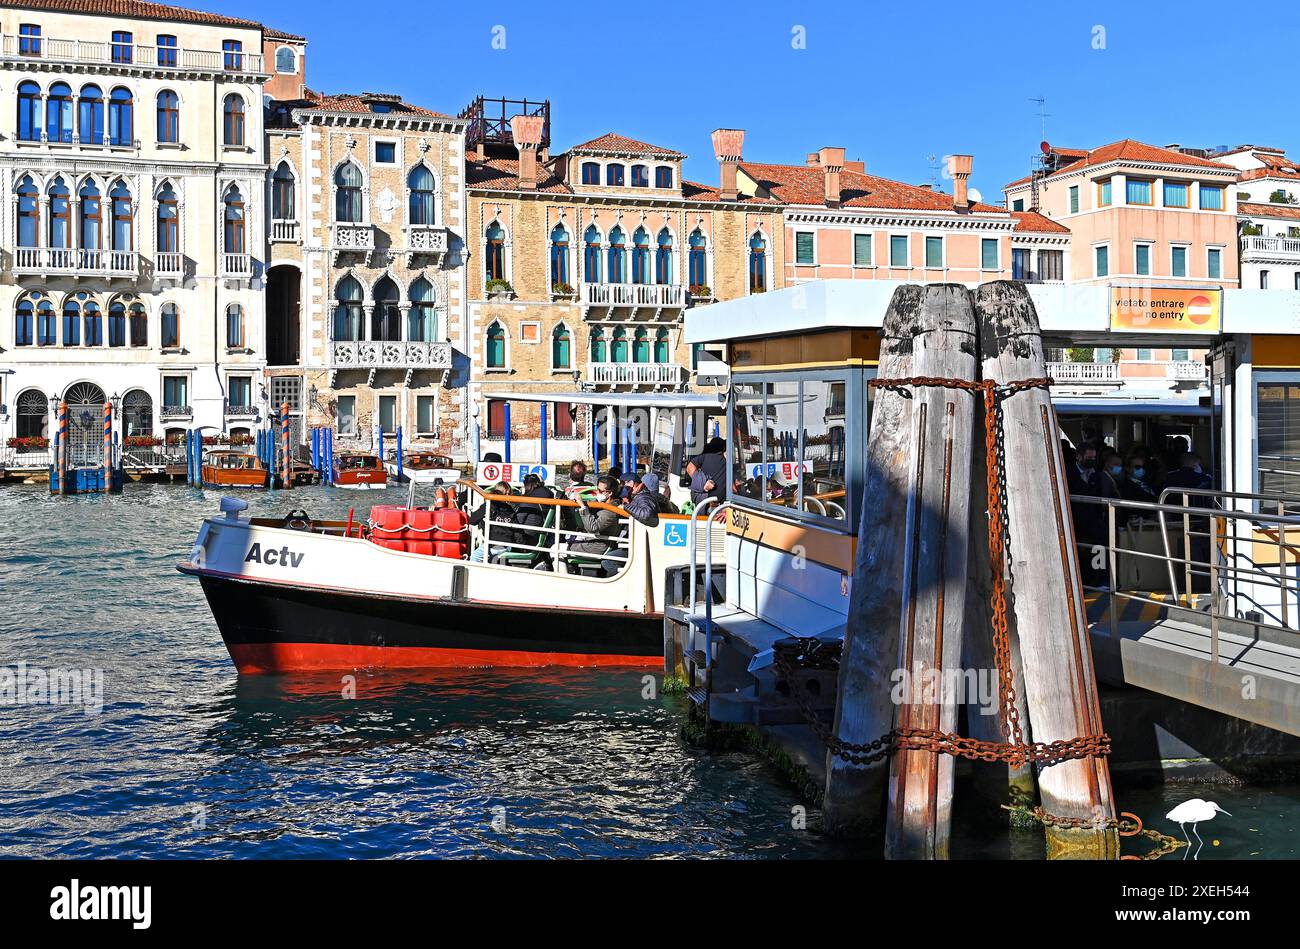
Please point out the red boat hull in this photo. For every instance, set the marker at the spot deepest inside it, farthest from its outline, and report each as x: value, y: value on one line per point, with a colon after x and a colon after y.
x: 273, y: 628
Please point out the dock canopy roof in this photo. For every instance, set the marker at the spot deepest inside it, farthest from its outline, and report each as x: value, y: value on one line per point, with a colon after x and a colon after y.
x: 636, y: 400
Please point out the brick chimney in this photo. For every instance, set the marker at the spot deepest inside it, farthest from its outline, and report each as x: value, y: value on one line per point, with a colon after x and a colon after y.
x: 960, y: 166
x: 526, y: 131
x: 727, y: 147
x: 814, y: 159
x: 832, y: 163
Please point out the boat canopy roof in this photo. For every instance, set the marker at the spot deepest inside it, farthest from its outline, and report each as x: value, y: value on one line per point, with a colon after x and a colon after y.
x: 647, y: 400
x: 1119, y: 406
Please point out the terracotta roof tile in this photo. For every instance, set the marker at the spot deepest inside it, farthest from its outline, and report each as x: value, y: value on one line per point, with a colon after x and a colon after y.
x: 1033, y: 221
x: 349, y: 102
x: 611, y: 142
x: 1281, y: 170
x: 695, y: 191
x: 1252, y: 209
x: 502, y: 174
x: 1126, y: 150
x: 131, y: 8
x: 271, y: 34
x: 803, y: 184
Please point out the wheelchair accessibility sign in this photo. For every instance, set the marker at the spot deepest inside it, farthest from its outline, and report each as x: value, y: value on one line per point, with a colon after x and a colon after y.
x: 675, y: 535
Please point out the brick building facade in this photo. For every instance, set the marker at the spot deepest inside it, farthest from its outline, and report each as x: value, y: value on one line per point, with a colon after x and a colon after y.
x: 583, y: 267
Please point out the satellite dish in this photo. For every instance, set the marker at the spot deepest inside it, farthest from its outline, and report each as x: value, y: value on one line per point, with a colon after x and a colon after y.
x: 1045, y: 148
x: 975, y: 196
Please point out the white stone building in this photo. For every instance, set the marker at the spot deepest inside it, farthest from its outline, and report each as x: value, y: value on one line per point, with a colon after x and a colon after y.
x: 1268, y: 212
x: 133, y: 177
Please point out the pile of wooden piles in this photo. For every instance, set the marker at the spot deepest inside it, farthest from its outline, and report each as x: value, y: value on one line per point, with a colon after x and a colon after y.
x: 923, y: 582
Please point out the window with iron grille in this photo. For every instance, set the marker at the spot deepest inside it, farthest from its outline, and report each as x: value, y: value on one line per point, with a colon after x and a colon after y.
x: 286, y: 389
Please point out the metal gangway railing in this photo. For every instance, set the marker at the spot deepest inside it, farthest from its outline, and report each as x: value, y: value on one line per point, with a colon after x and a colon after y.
x: 1204, y: 554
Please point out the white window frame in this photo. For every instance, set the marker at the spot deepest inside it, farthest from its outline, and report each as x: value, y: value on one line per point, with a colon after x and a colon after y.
x: 871, y: 236
x: 551, y: 348
x: 816, y: 255
x: 1214, y: 248
x: 505, y: 361
x: 925, y: 252
x: 998, y: 244
x: 338, y: 416
x: 416, y: 426
x: 1109, y: 263
x: 907, y: 239
x: 524, y: 325
x: 275, y: 60
x: 1187, y: 259
x: 397, y: 152
x: 1150, y: 246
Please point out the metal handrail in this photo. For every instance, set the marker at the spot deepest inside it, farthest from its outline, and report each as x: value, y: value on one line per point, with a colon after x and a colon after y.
x: 556, y: 551
x: 691, y: 534
x: 1225, y: 568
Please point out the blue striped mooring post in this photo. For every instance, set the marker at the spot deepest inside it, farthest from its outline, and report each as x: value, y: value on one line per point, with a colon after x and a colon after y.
x: 544, y: 407
x: 506, y: 414
x: 399, y: 453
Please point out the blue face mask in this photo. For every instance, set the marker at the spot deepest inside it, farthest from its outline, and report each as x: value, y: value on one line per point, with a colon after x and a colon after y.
x: 1139, y: 473
x: 1116, y: 470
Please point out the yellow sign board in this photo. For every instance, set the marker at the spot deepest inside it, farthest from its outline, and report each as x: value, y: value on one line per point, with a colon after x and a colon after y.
x: 1165, y: 310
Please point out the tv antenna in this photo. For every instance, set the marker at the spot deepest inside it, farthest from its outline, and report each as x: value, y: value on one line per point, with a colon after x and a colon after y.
x: 934, y: 171
x: 1043, y: 114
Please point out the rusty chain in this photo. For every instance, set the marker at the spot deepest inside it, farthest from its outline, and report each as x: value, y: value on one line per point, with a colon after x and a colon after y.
x: 1013, y: 749
x: 1130, y: 827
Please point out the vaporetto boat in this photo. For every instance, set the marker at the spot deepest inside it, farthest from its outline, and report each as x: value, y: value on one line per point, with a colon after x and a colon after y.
x: 401, y: 589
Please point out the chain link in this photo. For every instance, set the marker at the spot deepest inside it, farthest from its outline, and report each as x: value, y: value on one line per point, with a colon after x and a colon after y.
x: 1132, y: 827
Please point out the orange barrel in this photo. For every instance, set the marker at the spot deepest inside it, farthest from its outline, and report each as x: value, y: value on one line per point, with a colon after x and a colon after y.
x: 419, y: 526
x: 389, y: 522
x: 451, y: 540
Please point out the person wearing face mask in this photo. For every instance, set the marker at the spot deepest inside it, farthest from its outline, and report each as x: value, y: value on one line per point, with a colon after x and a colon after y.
x: 604, y: 525
x: 1133, y: 484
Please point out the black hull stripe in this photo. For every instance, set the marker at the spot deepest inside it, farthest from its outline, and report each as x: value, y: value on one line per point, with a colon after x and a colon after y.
x: 250, y: 613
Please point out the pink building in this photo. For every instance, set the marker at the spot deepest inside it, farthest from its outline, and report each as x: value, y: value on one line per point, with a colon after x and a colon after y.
x: 1138, y: 213
x: 842, y: 223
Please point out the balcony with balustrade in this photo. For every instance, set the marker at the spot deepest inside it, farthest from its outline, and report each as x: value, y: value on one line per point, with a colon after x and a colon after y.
x: 237, y: 266
x: 285, y: 232
x: 637, y: 375
x: 1075, y: 378
x: 427, y: 242
x: 1270, y: 248
x: 600, y: 300
x: 407, y: 356
x: 46, y: 51
x: 168, y: 264
x: 76, y: 262
x: 352, y: 240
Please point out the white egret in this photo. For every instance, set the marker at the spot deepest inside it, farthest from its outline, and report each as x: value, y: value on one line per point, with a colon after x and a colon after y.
x: 1193, y: 812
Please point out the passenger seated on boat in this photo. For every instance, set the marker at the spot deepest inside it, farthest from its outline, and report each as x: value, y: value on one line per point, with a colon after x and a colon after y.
x: 604, y: 525
x: 644, y: 502
x: 530, y: 516
x: 500, y: 536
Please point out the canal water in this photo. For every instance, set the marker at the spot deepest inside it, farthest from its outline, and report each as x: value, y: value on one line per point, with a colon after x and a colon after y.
x: 187, y: 759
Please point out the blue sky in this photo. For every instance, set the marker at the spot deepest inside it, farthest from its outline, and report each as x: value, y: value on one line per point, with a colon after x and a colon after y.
x: 892, y: 83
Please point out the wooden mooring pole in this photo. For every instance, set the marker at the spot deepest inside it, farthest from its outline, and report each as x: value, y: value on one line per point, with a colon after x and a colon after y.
x: 855, y: 795
x: 1046, y: 606
x: 928, y: 668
